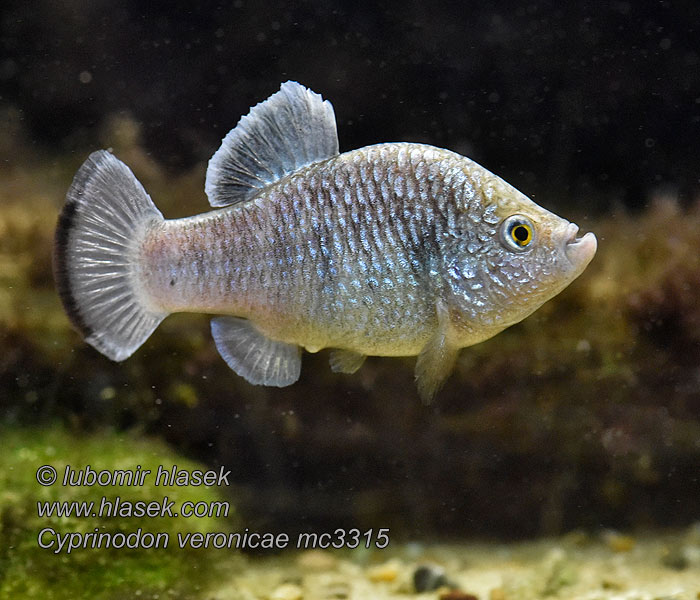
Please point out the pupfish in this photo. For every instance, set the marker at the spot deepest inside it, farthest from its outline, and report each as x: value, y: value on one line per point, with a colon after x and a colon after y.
x: 395, y: 249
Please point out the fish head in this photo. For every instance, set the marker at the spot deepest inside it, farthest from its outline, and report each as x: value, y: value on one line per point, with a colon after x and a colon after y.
x: 508, y: 256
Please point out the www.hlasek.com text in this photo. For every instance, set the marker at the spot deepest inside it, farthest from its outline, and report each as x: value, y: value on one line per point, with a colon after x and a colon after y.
x: 119, y: 507
x: 57, y: 542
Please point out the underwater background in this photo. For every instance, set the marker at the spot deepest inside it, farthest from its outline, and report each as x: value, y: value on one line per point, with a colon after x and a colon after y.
x: 581, y: 424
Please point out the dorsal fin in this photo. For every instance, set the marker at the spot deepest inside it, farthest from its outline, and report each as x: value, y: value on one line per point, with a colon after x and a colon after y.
x: 292, y: 128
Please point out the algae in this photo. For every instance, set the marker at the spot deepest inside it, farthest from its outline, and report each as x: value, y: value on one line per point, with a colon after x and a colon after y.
x: 28, y: 571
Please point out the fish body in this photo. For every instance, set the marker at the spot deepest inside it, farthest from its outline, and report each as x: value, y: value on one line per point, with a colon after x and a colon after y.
x: 342, y: 253
x: 396, y: 249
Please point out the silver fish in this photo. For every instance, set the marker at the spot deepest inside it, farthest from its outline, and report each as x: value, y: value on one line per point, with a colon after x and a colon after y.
x: 395, y: 249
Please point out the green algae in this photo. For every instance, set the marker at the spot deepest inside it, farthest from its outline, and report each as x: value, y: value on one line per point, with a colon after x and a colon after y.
x: 28, y: 571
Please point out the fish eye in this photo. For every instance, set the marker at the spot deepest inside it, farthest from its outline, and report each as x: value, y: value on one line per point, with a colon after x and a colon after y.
x: 517, y: 233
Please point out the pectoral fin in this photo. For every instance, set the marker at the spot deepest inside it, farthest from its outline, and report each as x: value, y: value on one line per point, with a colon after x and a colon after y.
x: 436, y: 360
x: 253, y: 355
x: 346, y: 361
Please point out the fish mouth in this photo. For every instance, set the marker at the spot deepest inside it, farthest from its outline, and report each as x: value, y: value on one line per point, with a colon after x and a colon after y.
x: 579, y: 250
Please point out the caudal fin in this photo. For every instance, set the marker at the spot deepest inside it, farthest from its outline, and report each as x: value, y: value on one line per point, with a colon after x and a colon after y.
x: 106, y: 215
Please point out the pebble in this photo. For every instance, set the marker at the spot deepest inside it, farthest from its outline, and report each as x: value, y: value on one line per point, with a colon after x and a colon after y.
x: 497, y: 594
x: 612, y: 584
x: 387, y: 572
x: 287, y: 591
x: 317, y: 560
x: 339, y: 590
x: 619, y: 542
x: 457, y: 595
x: 675, y: 558
x: 427, y: 578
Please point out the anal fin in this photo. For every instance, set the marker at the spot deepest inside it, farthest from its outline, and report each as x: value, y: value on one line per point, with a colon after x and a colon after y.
x: 346, y: 361
x: 254, y: 356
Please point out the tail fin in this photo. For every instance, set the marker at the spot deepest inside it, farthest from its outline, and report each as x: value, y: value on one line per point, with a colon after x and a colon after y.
x: 106, y: 214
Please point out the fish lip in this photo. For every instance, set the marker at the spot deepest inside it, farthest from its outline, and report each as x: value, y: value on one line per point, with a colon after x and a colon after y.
x: 570, y: 234
x: 579, y: 250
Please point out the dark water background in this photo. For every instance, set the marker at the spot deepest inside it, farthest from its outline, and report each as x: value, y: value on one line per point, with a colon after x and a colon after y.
x: 586, y: 415
x: 582, y: 99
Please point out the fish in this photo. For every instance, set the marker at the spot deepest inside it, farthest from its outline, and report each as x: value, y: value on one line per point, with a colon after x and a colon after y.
x: 393, y: 249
